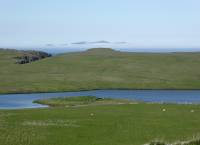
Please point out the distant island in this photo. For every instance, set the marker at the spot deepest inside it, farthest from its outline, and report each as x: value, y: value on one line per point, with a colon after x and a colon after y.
x: 97, y: 68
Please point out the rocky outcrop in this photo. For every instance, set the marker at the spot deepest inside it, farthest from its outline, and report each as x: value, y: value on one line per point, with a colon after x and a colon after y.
x: 30, y: 56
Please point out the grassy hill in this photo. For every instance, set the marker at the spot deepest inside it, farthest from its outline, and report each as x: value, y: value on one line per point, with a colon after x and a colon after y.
x: 100, y: 69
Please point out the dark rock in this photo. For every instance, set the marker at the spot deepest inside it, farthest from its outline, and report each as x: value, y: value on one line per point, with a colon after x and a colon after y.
x: 30, y: 56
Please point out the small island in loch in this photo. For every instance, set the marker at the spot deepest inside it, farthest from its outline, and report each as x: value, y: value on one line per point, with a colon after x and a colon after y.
x: 81, y: 101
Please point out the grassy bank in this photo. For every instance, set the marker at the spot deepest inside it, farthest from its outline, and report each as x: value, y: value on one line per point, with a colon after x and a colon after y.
x: 100, y: 69
x: 81, y: 101
x: 125, y: 124
x: 190, y: 142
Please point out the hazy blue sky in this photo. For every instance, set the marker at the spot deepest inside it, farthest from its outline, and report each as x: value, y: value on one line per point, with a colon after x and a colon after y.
x: 141, y: 23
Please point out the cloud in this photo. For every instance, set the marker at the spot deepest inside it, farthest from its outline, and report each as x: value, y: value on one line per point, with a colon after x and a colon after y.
x: 122, y: 42
x: 94, y: 42
x: 80, y: 43
x: 100, y: 42
x: 49, y: 45
x: 64, y: 44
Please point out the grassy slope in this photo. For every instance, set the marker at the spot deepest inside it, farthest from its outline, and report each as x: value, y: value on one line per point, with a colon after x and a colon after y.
x: 100, y: 69
x: 134, y: 124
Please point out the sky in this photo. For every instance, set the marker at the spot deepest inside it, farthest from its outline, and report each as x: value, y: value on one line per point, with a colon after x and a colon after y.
x: 93, y: 23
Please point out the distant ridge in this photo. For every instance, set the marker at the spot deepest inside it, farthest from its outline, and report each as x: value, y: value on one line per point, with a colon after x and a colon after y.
x: 101, y: 51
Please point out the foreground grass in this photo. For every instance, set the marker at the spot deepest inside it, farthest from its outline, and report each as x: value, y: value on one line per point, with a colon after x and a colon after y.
x: 81, y: 101
x: 100, y: 69
x: 126, y: 124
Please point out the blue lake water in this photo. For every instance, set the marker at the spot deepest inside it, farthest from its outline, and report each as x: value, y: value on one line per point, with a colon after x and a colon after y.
x: 20, y: 101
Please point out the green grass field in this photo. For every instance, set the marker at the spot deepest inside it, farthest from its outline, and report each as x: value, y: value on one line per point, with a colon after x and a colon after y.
x: 100, y: 69
x: 126, y: 124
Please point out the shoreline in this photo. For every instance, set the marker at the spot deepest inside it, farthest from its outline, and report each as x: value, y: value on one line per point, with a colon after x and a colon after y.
x: 85, y: 90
